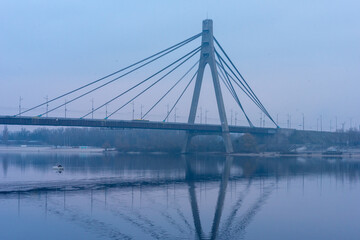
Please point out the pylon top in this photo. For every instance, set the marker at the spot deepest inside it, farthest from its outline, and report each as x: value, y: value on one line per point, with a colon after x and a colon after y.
x: 207, y: 24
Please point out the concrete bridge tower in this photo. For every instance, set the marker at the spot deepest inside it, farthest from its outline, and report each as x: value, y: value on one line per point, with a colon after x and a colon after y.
x: 207, y: 56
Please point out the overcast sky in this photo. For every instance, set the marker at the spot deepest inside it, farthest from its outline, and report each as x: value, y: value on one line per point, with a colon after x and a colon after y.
x: 300, y: 57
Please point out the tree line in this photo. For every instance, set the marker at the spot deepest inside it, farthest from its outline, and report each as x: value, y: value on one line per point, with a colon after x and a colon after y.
x: 146, y: 140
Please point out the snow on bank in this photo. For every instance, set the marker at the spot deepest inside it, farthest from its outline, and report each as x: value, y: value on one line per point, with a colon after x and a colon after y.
x: 49, y: 149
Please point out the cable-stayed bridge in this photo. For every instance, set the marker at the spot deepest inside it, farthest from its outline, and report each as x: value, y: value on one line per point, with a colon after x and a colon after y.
x: 212, y: 54
x: 141, y: 124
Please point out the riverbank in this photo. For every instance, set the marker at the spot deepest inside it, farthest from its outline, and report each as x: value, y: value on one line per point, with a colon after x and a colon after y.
x: 307, y: 154
x: 50, y: 149
x: 353, y: 153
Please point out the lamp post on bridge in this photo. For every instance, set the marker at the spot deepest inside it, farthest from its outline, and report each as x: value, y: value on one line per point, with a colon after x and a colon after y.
x: 290, y: 120
x: 236, y: 118
x: 65, y: 107
x: 264, y: 121
x: 206, y: 111
x: 167, y: 113
x: 106, y: 111
x: 321, y: 123
x: 133, y: 110
x: 175, y: 114
x: 92, y: 108
x: 47, y: 105
x: 330, y: 125
x: 141, y: 111
x: 20, y: 100
x: 336, y: 123
x: 303, y: 121
x: 317, y: 124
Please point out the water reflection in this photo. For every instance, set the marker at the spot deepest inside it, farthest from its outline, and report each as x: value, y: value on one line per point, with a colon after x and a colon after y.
x: 175, y: 197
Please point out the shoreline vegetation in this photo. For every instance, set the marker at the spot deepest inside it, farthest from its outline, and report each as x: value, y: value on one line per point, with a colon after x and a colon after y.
x: 96, y: 140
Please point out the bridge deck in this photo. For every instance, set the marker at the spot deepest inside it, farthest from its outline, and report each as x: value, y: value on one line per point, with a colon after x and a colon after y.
x: 141, y: 124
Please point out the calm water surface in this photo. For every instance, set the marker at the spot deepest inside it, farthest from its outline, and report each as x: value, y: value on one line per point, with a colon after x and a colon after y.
x: 178, y: 197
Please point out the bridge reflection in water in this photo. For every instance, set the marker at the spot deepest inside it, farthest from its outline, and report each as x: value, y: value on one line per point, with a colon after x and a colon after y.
x: 161, y: 196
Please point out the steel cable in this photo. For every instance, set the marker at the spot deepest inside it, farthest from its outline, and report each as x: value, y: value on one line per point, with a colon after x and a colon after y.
x: 193, y: 54
x: 170, y: 90
x: 168, y: 50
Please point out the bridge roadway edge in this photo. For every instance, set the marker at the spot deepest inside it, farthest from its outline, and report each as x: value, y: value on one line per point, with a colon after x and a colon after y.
x: 128, y: 124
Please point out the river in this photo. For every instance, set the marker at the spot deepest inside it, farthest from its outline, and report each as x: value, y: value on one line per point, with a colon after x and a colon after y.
x: 158, y: 196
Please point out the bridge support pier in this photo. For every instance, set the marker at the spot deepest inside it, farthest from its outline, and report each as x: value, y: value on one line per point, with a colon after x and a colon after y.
x: 207, y: 56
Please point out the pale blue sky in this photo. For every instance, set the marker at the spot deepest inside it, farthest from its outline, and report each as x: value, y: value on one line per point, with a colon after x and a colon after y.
x: 299, y: 56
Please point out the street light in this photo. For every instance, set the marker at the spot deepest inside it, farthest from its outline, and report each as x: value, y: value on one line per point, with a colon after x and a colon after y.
x: 20, y: 100
x: 47, y: 105
x: 236, y: 118
x: 65, y: 108
x: 303, y: 121
x: 175, y: 114
x: 92, y: 108
x: 141, y: 111
x: 321, y: 123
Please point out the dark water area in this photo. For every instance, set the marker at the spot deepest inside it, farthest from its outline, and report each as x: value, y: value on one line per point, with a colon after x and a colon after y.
x: 178, y: 197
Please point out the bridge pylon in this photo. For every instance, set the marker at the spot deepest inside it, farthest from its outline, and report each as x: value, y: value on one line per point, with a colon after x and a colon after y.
x: 207, y: 56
